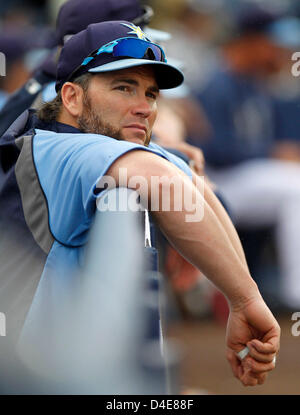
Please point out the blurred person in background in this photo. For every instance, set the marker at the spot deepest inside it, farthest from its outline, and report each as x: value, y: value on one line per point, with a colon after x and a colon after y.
x: 261, y: 190
x: 13, y: 48
x: 285, y: 90
x: 194, y: 27
x: 24, y: 36
x: 23, y: 14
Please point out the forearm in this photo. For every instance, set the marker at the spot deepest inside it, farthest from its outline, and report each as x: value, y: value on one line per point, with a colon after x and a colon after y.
x: 207, y: 246
x: 225, y: 220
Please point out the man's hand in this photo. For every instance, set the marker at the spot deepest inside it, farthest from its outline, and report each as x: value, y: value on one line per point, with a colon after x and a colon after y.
x: 253, y: 326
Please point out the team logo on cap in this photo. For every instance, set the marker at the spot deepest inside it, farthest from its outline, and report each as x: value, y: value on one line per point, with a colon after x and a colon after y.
x: 136, y: 30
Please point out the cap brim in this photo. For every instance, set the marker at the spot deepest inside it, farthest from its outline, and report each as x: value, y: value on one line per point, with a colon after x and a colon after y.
x: 167, y: 76
x: 176, y: 62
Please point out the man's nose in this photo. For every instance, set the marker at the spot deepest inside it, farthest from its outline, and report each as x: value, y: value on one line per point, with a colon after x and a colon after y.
x: 142, y: 107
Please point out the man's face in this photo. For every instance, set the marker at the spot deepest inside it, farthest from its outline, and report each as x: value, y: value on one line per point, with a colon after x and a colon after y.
x: 121, y: 104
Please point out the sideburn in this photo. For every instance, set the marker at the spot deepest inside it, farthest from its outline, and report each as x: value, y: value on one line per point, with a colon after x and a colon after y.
x: 92, y: 123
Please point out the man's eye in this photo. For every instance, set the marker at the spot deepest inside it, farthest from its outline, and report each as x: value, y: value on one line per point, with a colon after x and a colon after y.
x: 124, y: 88
x: 151, y: 95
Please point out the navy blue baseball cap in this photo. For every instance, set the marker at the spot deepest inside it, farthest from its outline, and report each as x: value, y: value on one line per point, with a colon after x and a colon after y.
x: 15, y: 43
x: 76, y: 15
x: 251, y: 18
x: 111, y: 46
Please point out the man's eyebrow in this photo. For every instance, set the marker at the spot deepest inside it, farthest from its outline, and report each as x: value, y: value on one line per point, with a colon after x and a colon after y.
x: 152, y: 88
x: 126, y: 80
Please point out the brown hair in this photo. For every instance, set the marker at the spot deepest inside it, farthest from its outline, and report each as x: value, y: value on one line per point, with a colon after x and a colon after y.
x: 50, y: 111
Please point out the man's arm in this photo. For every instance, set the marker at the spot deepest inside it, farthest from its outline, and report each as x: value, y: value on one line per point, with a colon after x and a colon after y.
x: 205, y: 243
x: 208, y: 246
x: 223, y: 217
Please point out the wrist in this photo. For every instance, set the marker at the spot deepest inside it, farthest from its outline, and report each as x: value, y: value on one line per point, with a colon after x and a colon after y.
x: 243, y: 296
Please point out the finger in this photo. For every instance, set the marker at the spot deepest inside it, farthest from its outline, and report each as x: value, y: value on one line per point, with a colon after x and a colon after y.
x: 243, y: 353
x: 234, y: 363
x: 261, y: 378
x: 264, y: 347
x: 260, y: 357
x: 248, y: 379
x: 242, y: 372
x: 257, y: 367
x: 271, y: 346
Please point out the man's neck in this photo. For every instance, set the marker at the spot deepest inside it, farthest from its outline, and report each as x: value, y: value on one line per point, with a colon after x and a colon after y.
x: 65, y: 118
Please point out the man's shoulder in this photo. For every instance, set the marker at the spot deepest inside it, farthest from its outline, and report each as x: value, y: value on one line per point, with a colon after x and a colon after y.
x: 77, y: 152
x: 69, y: 144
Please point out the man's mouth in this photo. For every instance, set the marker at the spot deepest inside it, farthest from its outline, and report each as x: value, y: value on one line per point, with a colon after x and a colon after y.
x: 137, y: 126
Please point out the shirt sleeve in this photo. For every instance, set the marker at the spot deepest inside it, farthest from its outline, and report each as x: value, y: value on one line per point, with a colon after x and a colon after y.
x: 180, y: 163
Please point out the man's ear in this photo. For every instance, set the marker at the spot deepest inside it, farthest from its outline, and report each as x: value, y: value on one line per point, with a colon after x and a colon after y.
x: 72, y: 98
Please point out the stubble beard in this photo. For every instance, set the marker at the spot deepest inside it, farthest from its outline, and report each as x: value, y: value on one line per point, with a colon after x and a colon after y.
x: 91, y: 122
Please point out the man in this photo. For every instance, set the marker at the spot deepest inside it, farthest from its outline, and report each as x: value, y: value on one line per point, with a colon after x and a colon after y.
x: 14, y: 45
x: 108, y: 82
